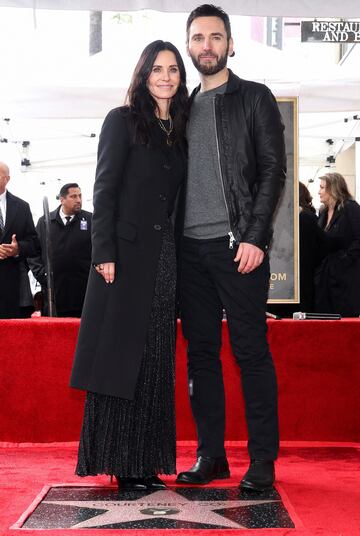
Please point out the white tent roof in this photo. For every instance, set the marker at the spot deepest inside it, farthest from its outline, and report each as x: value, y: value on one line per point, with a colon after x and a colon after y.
x: 274, y: 8
x: 49, y: 98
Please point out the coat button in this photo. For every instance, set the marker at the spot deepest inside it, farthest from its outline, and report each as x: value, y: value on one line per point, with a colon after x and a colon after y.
x: 157, y: 227
x: 162, y: 197
x: 167, y: 167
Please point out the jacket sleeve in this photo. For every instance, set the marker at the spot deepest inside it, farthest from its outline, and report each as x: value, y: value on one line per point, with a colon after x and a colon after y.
x: 270, y: 151
x: 112, y: 155
x: 352, y: 210
x: 36, y: 263
x: 28, y: 243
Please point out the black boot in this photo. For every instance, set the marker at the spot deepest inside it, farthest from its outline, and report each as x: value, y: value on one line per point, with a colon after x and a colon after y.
x: 205, y: 470
x: 260, y: 476
x: 131, y: 483
x: 154, y: 482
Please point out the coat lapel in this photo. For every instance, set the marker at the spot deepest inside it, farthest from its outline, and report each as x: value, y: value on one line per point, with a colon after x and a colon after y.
x: 323, y: 218
x: 55, y: 215
x: 11, y: 210
x: 334, y: 218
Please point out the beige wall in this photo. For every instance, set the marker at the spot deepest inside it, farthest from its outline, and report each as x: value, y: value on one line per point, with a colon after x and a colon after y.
x: 345, y: 164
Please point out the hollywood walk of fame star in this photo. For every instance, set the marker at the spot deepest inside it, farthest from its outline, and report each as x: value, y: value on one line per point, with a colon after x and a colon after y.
x: 160, y: 504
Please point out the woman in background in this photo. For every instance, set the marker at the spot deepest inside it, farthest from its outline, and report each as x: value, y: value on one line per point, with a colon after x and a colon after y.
x: 125, y: 352
x: 311, y: 251
x: 338, y: 277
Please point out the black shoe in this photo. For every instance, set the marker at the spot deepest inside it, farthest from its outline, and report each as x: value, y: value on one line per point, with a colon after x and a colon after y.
x: 205, y: 470
x: 260, y: 476
x: 131, y: 483
x: 154, y: 482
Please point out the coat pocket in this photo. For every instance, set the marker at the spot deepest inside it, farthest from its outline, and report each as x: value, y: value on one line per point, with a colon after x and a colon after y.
x: 126, y: 230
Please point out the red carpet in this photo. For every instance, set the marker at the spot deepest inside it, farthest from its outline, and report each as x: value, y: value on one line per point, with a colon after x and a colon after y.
x: 320, y: 485
x: 317, y: 363
x: 318, y: 370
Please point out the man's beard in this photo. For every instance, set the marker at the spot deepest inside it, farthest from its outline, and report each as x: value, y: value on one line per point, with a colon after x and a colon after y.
x: 208, y: 68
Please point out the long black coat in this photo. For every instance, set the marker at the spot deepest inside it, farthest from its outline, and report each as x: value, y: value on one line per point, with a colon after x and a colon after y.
x: 71, y: 260
x: 18, y: 221
x: 134, y: 194
x: 337, y: 281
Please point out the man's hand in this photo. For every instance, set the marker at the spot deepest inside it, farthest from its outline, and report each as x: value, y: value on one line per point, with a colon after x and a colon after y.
x: 249, y: 257
x: 107, y: 270
x: 3, y: 254
x: 11, y: 250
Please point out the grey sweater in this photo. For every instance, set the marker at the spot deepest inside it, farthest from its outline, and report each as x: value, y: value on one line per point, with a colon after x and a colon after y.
x: 206, y: 213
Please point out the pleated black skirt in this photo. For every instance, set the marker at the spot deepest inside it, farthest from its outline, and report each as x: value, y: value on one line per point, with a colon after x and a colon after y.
x: 136, y: 438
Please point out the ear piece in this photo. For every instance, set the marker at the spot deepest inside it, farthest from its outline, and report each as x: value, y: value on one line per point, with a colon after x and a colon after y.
x: 232, y: 54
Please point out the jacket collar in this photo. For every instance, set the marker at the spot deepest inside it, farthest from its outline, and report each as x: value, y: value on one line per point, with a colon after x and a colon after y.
x: 55, y: 215
x: 335, y: 216
x: 233, y: 84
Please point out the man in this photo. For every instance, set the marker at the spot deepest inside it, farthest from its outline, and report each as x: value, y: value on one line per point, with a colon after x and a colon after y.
x: 235, y: 176
x: 18, y: 240
x: 70, y: 237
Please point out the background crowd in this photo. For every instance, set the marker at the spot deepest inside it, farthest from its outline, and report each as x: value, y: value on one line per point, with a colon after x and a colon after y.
x: 329, y: 252
x: 24, y: 247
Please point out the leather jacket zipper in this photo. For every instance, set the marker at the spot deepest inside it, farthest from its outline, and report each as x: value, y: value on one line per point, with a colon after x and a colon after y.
x: 231, y: 235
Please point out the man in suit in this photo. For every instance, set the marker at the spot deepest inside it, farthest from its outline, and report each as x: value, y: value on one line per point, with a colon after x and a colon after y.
x: 18, y: 240
x: 70, y: 237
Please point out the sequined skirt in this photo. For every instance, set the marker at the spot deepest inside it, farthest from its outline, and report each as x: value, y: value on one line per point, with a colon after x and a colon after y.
x: 137, y: 437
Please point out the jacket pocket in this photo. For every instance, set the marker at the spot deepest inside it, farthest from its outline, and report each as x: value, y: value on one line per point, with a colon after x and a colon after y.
x: 126, y: 230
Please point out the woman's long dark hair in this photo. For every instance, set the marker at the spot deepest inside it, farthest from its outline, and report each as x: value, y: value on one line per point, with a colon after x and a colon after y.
x: 143, y: 106
x: 305, y: 198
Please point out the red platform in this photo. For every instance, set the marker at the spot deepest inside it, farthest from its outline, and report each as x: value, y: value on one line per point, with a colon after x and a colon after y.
x: 317, y: 362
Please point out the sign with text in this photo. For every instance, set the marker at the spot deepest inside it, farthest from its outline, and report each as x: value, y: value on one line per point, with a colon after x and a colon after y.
x: 325, y: 31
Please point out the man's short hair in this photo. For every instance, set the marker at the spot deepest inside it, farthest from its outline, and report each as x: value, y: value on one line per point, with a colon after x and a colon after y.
x: 209, y: 10
x: 65, y: 189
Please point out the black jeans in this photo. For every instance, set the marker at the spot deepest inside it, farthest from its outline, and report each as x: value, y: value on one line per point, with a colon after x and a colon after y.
x: 209, y: 283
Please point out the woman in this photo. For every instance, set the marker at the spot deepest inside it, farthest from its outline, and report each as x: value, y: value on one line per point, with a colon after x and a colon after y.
x: 125, y: 351
x: 338, y: 277
x: 305, y: 199
x: 311, y: 250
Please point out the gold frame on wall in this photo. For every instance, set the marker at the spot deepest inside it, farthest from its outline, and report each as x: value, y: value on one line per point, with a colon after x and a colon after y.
x: 284, y: 253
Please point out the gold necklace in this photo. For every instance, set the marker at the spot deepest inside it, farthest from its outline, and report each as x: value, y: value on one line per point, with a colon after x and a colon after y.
x: 167, y: 131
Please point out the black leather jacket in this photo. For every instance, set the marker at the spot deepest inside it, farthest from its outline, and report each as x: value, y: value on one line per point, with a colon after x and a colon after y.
x: 252, y: 158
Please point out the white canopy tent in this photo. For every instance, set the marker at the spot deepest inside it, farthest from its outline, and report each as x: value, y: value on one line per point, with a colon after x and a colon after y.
x: 261, y: 8
x: 57, y: 109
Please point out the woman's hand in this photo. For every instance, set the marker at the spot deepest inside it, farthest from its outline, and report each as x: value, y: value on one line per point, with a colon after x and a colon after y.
x: 107, y: 270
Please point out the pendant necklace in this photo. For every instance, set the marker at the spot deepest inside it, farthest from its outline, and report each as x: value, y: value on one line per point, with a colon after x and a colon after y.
x: 167, y: 131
